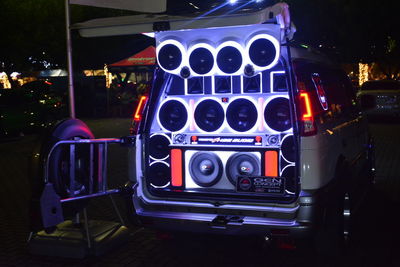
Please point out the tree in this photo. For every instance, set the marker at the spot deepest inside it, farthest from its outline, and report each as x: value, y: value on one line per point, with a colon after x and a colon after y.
x: 33, y: 33
x: 354, y: 30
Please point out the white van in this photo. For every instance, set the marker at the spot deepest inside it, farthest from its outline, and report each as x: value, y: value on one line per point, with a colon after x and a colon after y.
x: 243, y: 132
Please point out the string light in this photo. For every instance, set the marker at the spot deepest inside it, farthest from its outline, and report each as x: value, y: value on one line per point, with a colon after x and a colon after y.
x: 363, y: 73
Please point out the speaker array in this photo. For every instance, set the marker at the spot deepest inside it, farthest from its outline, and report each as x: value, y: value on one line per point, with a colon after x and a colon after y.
x: 259, y: 53
x: 241, y: 115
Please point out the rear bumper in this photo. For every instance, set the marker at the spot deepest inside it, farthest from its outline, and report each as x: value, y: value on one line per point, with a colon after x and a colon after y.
x: 204, y: 223
x: 299, y: 223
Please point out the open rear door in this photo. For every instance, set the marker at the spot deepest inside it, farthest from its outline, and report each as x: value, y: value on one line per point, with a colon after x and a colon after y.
x: 74, y: 163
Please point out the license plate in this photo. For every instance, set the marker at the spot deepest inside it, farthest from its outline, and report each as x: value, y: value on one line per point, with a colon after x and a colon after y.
x: 261, y: 185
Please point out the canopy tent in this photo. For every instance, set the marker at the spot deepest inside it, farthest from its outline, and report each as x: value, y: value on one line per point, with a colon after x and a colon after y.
x: 146, y: 57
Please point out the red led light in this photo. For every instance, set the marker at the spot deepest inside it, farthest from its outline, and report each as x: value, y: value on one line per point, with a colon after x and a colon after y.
x: 139, y: 109
x: 307, y: 112
x: 176, y: 168
x: 225, y: 99
x: 271, y: 163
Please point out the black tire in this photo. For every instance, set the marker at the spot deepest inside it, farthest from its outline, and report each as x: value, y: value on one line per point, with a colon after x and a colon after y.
x: 59, y: 162
x: 330, y: 242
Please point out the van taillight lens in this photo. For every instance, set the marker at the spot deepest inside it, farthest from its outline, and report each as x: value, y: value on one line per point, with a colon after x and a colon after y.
x: 139, y: 109
x: 137, y: 115
x: 307, y: 126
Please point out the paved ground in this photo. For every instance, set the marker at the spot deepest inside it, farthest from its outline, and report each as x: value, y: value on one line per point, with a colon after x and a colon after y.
x: 379, y: 245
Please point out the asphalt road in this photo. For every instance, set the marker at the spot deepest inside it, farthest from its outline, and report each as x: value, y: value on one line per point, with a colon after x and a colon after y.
x: 379, y: 245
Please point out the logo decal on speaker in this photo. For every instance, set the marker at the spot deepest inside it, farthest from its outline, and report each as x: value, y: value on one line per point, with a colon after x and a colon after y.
x: 244, y: 183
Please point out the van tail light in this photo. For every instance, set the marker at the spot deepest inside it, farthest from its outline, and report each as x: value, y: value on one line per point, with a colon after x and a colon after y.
x: 137, y: 115
x: 307, y: 121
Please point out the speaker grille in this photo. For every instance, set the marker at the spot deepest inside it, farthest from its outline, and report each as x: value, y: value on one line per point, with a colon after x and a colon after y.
x: 201, y: 60
x: 170, y: 57
x: 241, y: 115
x: 229, y: 59
x: 158, y: 146
x: 173, y: 115
x: 262, y: 52
x: 277, y: 114
x: 159, y: 174
x: 288, y: 149
x: 209, y: 115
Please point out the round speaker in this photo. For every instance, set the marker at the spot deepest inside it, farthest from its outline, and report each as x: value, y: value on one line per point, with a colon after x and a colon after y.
x: 229, y: 58
x: 173, y: 115
x: 209, y: 115
x: 290, y: 181
x: 242, y: 164
x: 287, y: 148
x: 205, y: 168
x: 159, y: 174
x: 169, y: 56
x: 277, y: 114
x: 158, y: 146
x: 241, y: 115
x: 263, y: 51
x: 201, y: 60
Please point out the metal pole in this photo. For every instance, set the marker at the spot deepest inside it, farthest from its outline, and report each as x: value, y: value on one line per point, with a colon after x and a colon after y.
x: 69, y: 60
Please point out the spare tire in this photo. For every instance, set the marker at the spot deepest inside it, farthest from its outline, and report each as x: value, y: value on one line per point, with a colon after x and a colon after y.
x: 59, y: 165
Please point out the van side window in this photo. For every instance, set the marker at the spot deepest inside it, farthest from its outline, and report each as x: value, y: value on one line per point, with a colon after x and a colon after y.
x: 337, y: 95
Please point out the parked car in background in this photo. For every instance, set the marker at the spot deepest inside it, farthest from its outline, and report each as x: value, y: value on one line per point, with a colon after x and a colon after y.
x: 380, y: 98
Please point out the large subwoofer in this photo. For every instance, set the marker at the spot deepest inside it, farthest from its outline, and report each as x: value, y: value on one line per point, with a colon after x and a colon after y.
x: 159, y: 174
x: 205, y: 168
x: 242, y: 115
x: 173, y: 115
x: 209, y: 115
x: 277, y: 114
x: 242, y: 164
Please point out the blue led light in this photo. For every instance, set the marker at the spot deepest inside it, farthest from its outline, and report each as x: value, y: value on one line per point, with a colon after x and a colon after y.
x: 232, y: 2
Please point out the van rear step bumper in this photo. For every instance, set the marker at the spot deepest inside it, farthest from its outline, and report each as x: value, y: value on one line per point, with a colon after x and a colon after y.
x: 223, y: 224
